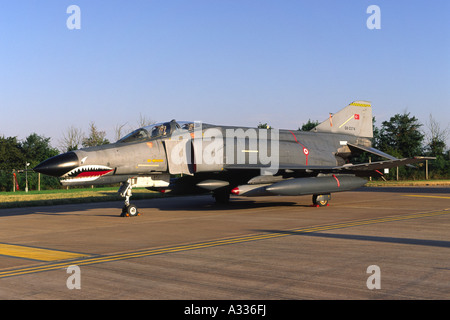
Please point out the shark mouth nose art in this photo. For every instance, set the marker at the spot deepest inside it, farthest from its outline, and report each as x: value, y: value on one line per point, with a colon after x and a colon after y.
x: 86, y: 173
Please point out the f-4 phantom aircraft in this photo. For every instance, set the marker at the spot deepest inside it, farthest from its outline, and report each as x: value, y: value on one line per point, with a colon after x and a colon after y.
x: 192, y: 158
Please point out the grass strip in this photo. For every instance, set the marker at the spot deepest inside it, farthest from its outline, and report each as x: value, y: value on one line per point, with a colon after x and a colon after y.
x: 71, y: 196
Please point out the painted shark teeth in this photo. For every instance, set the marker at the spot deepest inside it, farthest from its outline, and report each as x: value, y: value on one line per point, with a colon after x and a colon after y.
x: 77, y: 180
x: 86, y: 173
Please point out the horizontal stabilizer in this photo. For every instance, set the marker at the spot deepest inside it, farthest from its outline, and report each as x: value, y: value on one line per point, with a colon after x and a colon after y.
x: 357, y: 147
x: 383, y: 164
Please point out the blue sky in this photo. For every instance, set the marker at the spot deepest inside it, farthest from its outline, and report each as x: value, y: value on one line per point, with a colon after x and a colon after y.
x: 237, y: 62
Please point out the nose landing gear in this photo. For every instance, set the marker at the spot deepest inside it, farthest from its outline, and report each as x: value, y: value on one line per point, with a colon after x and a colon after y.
x: 128, y: 210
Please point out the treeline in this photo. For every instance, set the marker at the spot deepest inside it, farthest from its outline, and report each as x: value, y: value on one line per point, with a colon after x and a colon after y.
x: 18, y: 156
x: 403, y: 136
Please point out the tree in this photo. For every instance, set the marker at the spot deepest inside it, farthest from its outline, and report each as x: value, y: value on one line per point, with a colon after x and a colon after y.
x: 95, y: 138
x: 118, y: 131
x: 401, y: 136
x: 36, y: 149
x: 71, y: 140
x: 144, y: 121
x: 15, y: 154
x: 435, y: 146
x: 11, y: 157
x: 263, y: 126
x: 435, y: 138
x: 309, y: 125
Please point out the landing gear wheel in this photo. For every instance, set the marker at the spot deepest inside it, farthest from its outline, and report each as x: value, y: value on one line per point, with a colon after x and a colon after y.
x: 130, y: 211
x: 322, y: 203
x: 321, y: 200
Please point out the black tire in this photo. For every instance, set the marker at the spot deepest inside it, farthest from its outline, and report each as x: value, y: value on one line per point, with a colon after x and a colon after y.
x: 132, y: 210
x: 129, y: 211
x: 319, y: 203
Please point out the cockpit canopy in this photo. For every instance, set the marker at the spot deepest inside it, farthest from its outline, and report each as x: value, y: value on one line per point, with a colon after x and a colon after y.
x: 157, y: 130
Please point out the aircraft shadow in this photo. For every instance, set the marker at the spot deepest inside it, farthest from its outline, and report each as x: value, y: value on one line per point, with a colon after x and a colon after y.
x: 190, y: 203
x: 115, y: 207
x: 206, y: 203
x: 410, y: 241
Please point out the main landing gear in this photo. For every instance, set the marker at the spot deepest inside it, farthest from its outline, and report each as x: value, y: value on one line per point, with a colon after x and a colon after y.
x: 321, y: 200
x: 128, y: 210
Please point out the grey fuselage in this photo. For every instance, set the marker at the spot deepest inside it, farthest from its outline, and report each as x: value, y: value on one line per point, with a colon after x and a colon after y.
x: 203, y: 152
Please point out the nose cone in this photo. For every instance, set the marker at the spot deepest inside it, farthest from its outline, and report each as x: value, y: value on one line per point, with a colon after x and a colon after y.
x: 58, y: 165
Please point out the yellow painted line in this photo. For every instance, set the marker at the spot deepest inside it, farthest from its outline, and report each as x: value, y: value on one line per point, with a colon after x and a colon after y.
x: 347, y: 121
x: 36, y: 253
x: 214, y: 243
x: 421, y: 196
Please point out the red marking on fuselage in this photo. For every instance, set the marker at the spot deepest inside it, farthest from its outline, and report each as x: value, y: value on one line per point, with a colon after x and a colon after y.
x: 305, y: 150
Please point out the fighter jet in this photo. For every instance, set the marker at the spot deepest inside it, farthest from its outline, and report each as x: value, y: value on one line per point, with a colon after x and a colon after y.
x: 191, y: 157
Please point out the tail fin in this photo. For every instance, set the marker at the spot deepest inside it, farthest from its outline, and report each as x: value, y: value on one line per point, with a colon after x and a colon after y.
x: 355, y: 119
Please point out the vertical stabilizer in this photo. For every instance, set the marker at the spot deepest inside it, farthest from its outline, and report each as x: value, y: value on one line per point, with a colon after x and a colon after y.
x: 355, y: 119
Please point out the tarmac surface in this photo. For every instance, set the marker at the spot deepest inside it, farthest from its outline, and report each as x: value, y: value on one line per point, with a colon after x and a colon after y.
x: 373, y: 243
